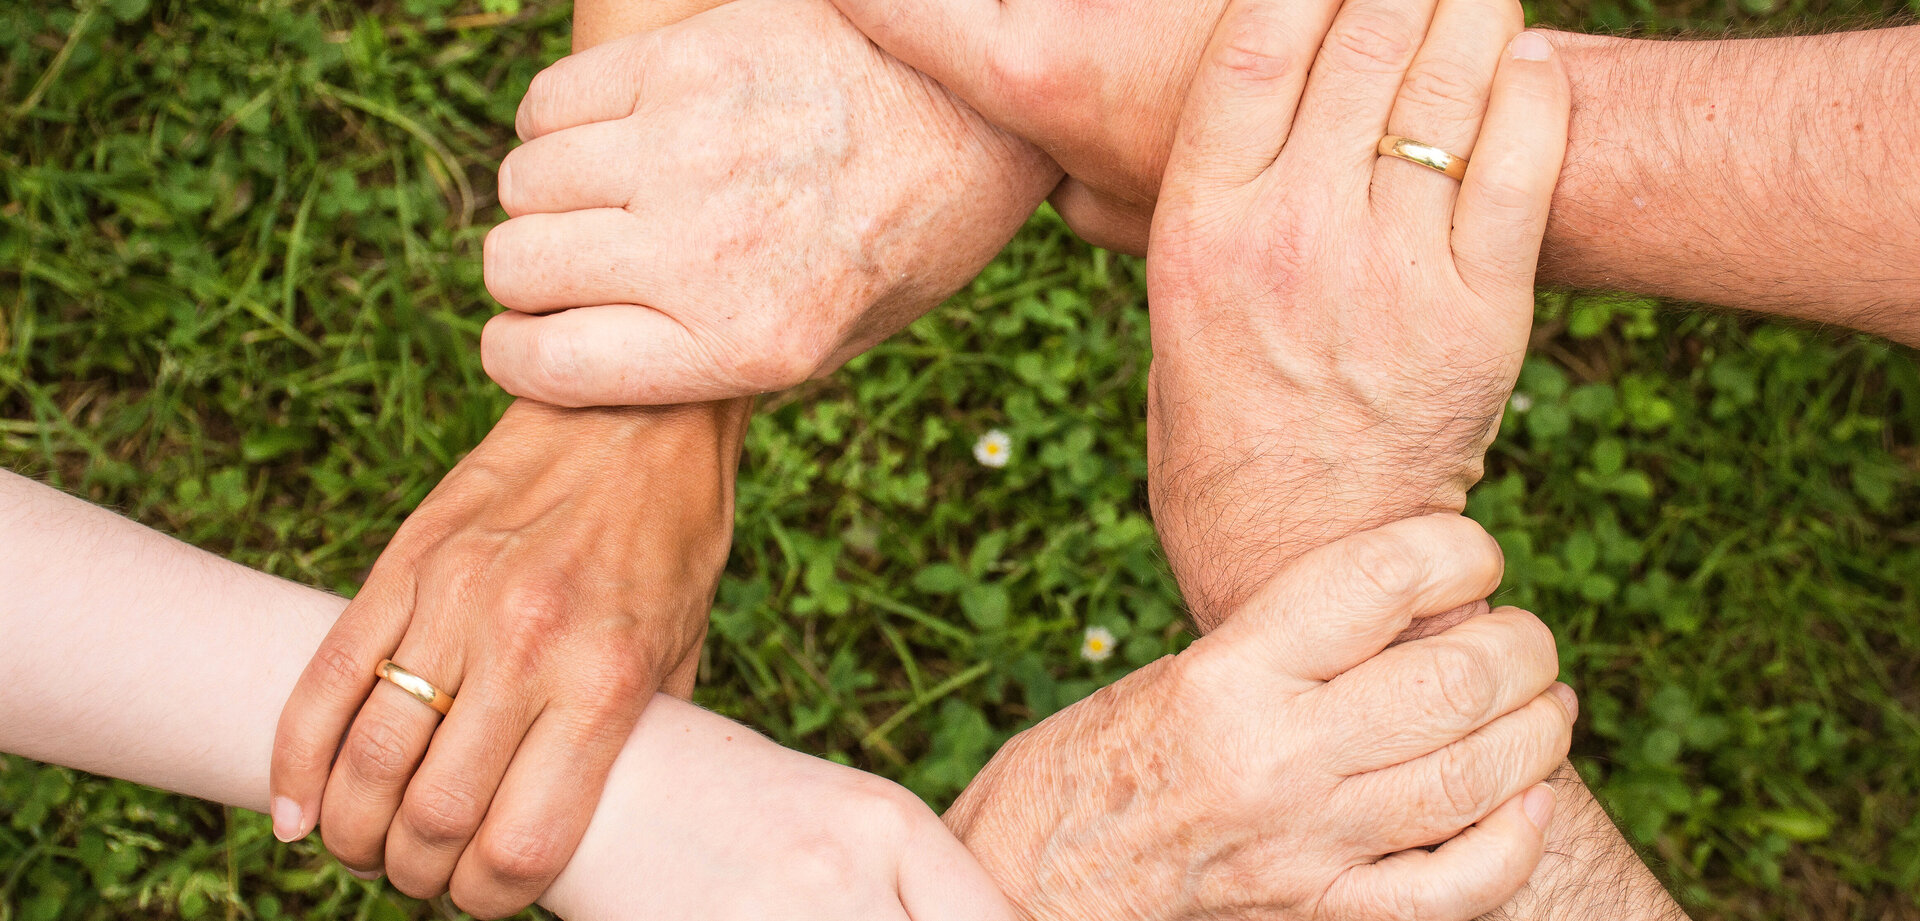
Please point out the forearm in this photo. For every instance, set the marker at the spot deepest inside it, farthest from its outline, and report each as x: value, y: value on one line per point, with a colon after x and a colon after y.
x: 597, y: 21
x: 1767, y: 174
x: 130, y: 654
x: 1589, y: 871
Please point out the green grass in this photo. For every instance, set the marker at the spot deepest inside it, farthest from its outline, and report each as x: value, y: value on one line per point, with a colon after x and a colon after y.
x: 239, y: 296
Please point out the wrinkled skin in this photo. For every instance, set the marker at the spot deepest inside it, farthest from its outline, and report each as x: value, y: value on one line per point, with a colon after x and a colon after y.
x: 557, y: 577
x: 1285, y: 767
x: 1098, y: 85
x: 1335, y: 332
x: 1320, y: 316
x: 734, y: 204
x: 706, y: 819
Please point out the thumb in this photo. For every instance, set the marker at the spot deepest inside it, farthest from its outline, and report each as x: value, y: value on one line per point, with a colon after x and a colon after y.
x: 1340, y: 604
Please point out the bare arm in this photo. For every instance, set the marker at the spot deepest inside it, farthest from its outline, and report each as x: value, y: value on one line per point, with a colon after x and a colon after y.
x: 133, y: 655
x: 1766, y: 174
x: 596, y: 22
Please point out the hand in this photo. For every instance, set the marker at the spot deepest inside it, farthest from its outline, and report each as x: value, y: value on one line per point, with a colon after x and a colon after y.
x: 705, y: 819
x: 1098, y: 86
x: 1335, y: 332
x: 551, y: 583
x: 733, y: 204
x: 1286, y: 766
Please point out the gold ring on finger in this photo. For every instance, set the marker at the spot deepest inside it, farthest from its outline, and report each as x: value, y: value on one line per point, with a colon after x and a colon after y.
x: 1426, y: 155
x: 417, y: 687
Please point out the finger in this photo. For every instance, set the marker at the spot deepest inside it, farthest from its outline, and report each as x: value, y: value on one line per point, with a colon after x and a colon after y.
x: 541, y: 810
x: 1241, y: 102
x: 1419, y: 697
x: 1441, y: 623
x: 680, y: 681
x: 1441, y: 104
x: 1100, y: 219
x: 330, y: 691
x: 1350, y: 93
x: 448, y: 797
x: 968, y: 46
x: 1337, y: 606
x: 618, y: 355
x: 1502, y: 211
x: 541, y: 263
x: 1460, y: 784
x: 380, y: 753
x: 575, y: 89
x: 1469, y: 876
x: 586, y: 166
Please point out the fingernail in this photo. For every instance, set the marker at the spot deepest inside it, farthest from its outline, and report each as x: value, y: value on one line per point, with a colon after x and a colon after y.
x: 368, y: 875
x: 1538, y: 805
x: 1530, y: 46
x: 1568, y: 699
x: 288, y: 824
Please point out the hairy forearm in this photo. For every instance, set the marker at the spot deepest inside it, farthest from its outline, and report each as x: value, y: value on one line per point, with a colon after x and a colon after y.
x: 1767, y: 174
x: 1589, y: 871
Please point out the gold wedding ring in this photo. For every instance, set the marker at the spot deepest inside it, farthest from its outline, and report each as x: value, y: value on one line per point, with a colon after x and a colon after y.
x: 420, y: 688
x: 1426, y: 155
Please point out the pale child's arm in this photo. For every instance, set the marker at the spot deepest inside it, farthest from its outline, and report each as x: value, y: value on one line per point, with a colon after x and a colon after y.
x: 130, y: 654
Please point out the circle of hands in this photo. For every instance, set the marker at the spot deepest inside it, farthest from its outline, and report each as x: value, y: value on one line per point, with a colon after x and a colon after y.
x: 738, y: 202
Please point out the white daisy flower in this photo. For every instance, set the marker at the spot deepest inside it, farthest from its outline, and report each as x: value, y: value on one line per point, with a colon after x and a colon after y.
x: 993, y: 449
x: 1520, y: 403
x: 1098, y: 645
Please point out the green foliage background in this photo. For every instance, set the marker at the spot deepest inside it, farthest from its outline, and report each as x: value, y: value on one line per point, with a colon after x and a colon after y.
x: 239, y: 297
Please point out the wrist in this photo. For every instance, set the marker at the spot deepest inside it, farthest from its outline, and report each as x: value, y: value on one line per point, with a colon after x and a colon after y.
x: 702, y: 432
x: 1245, y: 475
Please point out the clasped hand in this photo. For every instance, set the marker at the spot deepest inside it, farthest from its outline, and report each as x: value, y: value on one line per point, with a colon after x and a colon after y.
x: 744, y: 201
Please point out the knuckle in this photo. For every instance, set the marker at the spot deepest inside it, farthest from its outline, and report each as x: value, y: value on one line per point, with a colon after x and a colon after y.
x: 1373, y: 41
x: 377, y: 752
x: 556, y: 359
x: 335, y: 666
x: 1392, y: 569
x: 617, y: 680
x: 534, y: 606
x: 1462, y: 683
x: 1506, y: 199
x: 1254, y: 45
x: 532, y: 119
x: 443, y: 815
x: 1465, y: 786
x: 1447, y: 86
x: 521, y: 857
x: 1487, y: 559
x: 1527, y: 641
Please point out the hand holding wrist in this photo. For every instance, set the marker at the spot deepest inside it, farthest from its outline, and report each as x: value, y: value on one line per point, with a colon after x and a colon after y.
x: 550, y: 584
